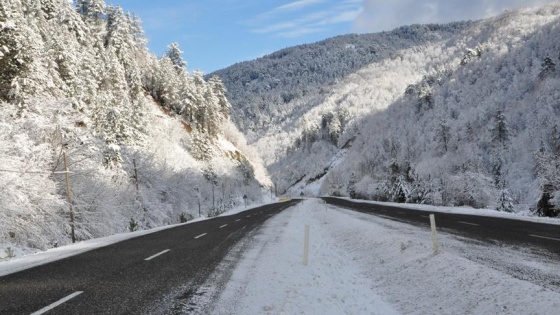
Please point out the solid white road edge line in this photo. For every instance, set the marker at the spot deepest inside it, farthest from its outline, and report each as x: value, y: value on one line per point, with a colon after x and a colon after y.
x: 55, y: 304
x: 160, y: 253
x: 547, y: 238
x: 223, y: 226
x: 201, y: 235
x: 463, y: 222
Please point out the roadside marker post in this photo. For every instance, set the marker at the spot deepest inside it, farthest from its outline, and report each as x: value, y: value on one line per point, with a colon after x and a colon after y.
x: 306, y: 246
x: 434, y: 234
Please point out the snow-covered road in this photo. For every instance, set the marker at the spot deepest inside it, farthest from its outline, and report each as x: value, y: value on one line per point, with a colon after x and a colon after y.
x: 362, y: 264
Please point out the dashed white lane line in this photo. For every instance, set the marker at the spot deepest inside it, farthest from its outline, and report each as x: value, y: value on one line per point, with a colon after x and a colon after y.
x: 545, y: 237
x: 248, y: 216
x: 201, y: 235
x: 160, y: 253
x: 55, y: 304
x: 468, y: 223
x: 237, y: 220
x: 223, y: 226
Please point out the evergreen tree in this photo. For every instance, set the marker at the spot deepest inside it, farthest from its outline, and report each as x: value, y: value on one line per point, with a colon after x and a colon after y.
x: 176, y: 56
x: 443, y: 134
x: 14, y: 61
x: 247, y: 171
x: 91, y: 9
x: 352, y: 187
x: 545, y: 208
x: 505, y: 202
x: 500, y: 131
x: 547, y: 67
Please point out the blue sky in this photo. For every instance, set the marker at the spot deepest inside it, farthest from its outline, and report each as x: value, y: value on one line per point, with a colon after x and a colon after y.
x: 217, y: 33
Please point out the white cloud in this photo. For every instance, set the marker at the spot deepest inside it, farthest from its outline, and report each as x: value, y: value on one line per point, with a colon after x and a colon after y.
x: 305, y: 17
x: 301, y: 32
x: 297, y: 5
x: 383, y: 15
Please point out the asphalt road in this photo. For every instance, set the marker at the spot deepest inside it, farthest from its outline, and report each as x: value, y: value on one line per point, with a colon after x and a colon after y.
x: 131, y: 276
x: 488, y: 229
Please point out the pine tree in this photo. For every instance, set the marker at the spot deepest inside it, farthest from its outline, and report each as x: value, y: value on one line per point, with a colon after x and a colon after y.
x: 247, y: 171
x: 547, y: 67
x: 401, y: 190
x: 544, y: 206
x: 443, y: 134
x: 500, y: 131
x: 175, y: 55
x: 14, y: 61
x: 91, y: 9
x: 505, y: 202
x: 351, y: 189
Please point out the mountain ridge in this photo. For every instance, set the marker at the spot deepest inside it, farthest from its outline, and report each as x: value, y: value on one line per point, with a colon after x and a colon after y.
x: 438, y: 103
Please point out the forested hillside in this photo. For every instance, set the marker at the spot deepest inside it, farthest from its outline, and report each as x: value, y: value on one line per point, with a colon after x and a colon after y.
x: 471, y: 119
x: 269, y: 91
x: 146, y: 143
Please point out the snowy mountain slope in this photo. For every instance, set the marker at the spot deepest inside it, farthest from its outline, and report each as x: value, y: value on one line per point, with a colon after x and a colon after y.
x: 267, y: 93
x: 147, y: 142
x: 470, y: 120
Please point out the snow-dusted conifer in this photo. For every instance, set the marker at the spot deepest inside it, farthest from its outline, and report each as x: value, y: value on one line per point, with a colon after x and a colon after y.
x: 505, y: 202
x: 91, y: 9
x: 547, y: 67
x: 175, y: 54
x: 443, y: 134
x: 500, y: 131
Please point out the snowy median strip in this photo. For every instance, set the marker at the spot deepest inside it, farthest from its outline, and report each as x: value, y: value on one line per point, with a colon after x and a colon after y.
x: 55, y: 304
x: 158, y: 254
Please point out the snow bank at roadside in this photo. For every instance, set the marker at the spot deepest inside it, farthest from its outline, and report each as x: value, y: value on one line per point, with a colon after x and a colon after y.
x: 360, y: 263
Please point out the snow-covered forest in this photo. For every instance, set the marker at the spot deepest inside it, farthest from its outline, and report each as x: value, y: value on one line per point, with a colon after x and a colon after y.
x: 272, y: 90
x: 470, y: 117
x: 464, y: 114
x: 146, y: 143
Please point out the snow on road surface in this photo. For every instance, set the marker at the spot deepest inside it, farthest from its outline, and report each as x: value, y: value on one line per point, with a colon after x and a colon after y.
x: 362, y: 264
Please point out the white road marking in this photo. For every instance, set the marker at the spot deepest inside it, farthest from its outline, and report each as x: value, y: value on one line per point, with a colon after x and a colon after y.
x: 247, y: 216
x: 545, y: 237
x: 237, y: 220
x: 201, y: 235
x: 55, y: 304
x: 463, y: 222
x: 160, y: 253
x: 223, y: 226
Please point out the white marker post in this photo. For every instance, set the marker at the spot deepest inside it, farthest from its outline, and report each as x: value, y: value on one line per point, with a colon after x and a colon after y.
x: 434, y: 234
x: 306, y: 246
